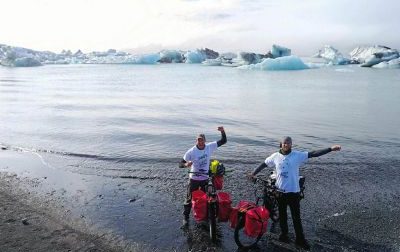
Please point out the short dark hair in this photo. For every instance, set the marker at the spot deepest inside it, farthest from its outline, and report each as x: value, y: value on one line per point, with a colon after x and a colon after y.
x: 201, y: 135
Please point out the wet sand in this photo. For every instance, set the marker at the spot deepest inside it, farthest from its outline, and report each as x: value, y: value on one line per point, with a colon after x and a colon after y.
x: 28, y: 227
x: 49, y: 209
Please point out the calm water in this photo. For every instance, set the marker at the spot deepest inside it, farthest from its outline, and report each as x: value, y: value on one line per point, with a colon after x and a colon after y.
x: 150, y: 113
x: 138, y: 120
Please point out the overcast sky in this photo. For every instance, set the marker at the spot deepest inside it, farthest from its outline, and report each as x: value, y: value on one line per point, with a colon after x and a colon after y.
x: 222, y: 25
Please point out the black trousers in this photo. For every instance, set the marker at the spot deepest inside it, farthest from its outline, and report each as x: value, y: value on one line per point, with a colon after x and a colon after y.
x: 293, y: 201
x: 193, y: 185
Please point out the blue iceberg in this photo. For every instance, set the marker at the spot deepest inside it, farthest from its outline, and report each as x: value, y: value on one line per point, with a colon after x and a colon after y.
x: 281, y: 63
x: 280, y: 51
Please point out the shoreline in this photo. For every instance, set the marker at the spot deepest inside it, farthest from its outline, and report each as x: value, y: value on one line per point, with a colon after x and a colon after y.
x: 34, y: 215
x: 94, y: 213
x: 33, y: 227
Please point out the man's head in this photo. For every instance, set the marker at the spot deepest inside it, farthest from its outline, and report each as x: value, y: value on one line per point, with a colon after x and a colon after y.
x: 201, y: 141
x: 286, y: 144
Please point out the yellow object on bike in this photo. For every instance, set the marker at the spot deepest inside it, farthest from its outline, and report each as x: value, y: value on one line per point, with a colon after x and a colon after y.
x: 214, y: 166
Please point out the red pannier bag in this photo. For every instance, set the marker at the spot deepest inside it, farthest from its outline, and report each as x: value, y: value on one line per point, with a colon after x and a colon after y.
x: 199, y: 205
x: 218, y: 182
x: 256, y: 221
x: 224, y: 206
x: 243, y: 206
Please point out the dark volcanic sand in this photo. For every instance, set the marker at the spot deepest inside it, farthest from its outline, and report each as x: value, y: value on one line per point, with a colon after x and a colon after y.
x: 348, y: 207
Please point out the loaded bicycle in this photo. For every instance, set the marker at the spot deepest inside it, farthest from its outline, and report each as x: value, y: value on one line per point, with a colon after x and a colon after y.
x: 211, y: 205
x: 266, y: 194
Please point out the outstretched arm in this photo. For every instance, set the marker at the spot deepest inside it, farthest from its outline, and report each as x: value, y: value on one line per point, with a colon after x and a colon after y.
x: 259, y: 168
x: 223, y: 139
x: 321, y: 152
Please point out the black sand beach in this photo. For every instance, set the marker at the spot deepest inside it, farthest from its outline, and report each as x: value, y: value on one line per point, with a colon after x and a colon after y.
x: 340, y: 213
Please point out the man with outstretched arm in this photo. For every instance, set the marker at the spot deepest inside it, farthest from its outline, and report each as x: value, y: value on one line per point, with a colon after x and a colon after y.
x: 287, y: 163
x: 197, y: 159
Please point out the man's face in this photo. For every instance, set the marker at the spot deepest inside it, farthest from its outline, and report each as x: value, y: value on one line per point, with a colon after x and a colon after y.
x: 286, y: 145
x: 200, y: 142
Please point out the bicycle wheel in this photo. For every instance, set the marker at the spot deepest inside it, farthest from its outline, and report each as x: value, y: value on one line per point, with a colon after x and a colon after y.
x: 241, y: 239
x: 212, y: 215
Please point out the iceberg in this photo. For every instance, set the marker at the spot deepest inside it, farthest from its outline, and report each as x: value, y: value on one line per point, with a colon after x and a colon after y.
x: 394, y: 63
x: 212, y: 62
x: 372, y: 55
x: 282, y: 63
x: 208, y: 53
x: 279, y: 51
x: 194, y: 57
x: 332, y: 56
x: 26, y: 62
x: 147, y: 58
x: 171, y: 56
x: 248, y: 58
x: 18, y: 57
x: 128, y: 59
x: 200, y: 55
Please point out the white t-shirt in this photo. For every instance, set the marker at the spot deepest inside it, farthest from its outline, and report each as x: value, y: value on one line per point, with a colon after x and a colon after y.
x: 287, y: 169
x: 200, y: 159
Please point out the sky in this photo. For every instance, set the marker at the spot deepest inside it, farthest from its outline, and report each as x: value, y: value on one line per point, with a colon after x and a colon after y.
x: 222, y: 25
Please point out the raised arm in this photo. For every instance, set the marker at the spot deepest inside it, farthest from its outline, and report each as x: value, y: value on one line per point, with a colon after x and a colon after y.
x: 321, y: 152
x: 223, y: 139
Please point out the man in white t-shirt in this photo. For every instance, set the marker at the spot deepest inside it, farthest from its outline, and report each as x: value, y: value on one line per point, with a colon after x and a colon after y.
x: 197, y: 159
x: 287, y: 163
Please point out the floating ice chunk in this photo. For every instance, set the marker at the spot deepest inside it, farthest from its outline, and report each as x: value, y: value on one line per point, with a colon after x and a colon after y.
x: 363, y: 54
x: 394, y: 63
x: 148, y: 58
x: 281, y: 63
x: 332, y: 55
x: 26, y: 62
x: 344, y: 70
x: 128, y: 59
x: 228, y: 55
x: 248, y: 58
x: 280, y: 51
x: 377, y: 58
x: 171, y: 56
x: 212, y: 62
x: 194, y: 57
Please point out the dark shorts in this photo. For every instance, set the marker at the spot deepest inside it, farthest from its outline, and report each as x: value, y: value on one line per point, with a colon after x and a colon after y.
x: 193, y: 185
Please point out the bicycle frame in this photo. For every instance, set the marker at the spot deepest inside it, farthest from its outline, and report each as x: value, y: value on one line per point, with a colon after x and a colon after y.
x: 269, y: 195
x: 212, y: 206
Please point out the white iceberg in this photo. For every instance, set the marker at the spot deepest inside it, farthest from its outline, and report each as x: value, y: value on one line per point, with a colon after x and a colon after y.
x: 19, y: 57
x: 371, y: 55
x: 332, y: 55
x: 280, y: 51
x: 281, y: 63
x: 128, y: 59
x: 394, y: 63
x: 212, y: 62
x: 377, y: 58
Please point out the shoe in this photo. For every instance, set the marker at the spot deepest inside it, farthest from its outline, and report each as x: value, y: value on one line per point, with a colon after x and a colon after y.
x: 303, y: 244
x: 284, y: 238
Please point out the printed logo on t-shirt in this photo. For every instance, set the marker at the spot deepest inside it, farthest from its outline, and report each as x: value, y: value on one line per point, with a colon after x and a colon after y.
x: 284, y: 174
x: 202, y: 161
